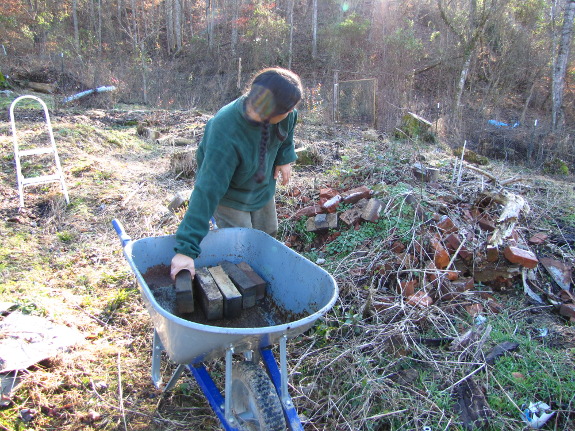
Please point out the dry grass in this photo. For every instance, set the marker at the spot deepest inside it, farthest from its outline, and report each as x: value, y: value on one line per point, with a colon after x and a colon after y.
x: 363, y: 367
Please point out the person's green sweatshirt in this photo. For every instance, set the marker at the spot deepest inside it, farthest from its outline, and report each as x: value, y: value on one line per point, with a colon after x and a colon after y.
x: 228, y: 158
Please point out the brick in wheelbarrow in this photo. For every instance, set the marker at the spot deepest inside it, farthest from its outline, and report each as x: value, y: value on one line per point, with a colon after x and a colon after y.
x: 184, y: 292
x: 232, y: 297
x: 242, y: 282
x: 210, y: 297
x: 261, y: 284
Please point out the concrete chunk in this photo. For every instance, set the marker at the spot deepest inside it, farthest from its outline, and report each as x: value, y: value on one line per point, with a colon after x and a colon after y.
x: 261, y: 284
x: 372, y: 210
x: 232, y: 297
x: 242, y: 282
x: 184, y: 292
x: 210, y: 297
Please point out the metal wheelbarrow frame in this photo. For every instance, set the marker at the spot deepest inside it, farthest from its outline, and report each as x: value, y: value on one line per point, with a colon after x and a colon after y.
x: 295, y: 284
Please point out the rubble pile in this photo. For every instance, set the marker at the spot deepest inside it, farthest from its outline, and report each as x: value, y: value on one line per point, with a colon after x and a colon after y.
x: 462, y: 250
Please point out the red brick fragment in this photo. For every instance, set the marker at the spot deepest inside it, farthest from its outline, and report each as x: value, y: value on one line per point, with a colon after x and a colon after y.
x: 441, y: 257
x: 538, y: 238
x: 421, y: 299
x: 327, y: 193
x: 494, y: 306
x: 398, y: 247
x: 567, y: 310
x: 522, y: 257
x: 331, y: 204
x: 407, y: 288
x: 308, y: 211
x: 492, y: 254
x: 474, y: 309
x: 445, y: 224
x: 452, y: 275
x: 464, y: 284
x: 453, y: 243
x: 355, y: 195
x: 485, y: 223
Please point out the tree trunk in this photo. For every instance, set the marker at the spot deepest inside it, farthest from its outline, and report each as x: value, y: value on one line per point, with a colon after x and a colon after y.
x: 178, y: 24
x: 210, y: 22
x: 290, y: 20
x: 169, y: 25
x: 560, y: 66
x: 314, y: 31
x: 76, y: 31
x: 236, y: 4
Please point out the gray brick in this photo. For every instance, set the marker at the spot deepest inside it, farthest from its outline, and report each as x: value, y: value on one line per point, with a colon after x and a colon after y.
x: 232, y: 297
x: 242, y: 282
x: 261, y: 284
x: 210, y: 297
x: 184, y: 292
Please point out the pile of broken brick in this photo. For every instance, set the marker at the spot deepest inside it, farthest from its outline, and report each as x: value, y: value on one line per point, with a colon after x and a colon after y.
x: 462, y: 248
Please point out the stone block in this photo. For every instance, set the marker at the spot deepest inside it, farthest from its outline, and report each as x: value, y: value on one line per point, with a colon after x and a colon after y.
x: 232, y: 298
x: 261, y: 284
x: 322, y: 222
x: 243, y: 283
x: 372, y: 210
x: 210, y: 297
x: 179, y: 199
x: 184, y: 292
x: 425, y: 173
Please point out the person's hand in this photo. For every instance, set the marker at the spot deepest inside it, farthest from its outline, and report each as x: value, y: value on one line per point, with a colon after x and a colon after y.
x: 285, y: 171
x: 181, y: 262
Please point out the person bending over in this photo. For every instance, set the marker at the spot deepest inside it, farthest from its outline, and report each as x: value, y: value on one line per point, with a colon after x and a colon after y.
x: 246, y: 147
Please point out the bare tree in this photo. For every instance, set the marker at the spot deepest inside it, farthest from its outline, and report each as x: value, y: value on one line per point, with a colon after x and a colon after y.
x: 467, y: 32
x: 75, y: 21
x: 314, y: 30
x: 560, y: 65
x: 290, y: 23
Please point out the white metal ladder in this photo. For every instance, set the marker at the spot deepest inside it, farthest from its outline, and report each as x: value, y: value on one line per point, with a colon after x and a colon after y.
x: 43, y: 179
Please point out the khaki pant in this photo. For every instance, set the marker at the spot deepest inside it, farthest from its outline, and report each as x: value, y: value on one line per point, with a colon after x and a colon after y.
x: 264, y: 219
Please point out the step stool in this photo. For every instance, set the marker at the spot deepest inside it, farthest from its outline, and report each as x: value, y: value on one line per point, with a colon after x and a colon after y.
x: 51, y: 149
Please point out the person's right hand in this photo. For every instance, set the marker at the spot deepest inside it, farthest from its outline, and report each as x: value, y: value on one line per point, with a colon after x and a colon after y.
x: 181, y: 262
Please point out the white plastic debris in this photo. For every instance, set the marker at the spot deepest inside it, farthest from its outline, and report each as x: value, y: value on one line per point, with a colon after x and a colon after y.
x: 537, y: 414
x: 480, y: 319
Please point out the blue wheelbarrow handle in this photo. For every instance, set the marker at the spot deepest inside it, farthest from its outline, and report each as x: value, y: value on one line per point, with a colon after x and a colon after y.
x: 124, y: 237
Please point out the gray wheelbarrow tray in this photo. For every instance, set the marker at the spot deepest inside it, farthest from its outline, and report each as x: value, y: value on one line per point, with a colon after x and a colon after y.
x: 295, y: 284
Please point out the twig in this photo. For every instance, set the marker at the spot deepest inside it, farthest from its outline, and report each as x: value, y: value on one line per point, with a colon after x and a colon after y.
x: 120, y: 394
x: 536, y: 307
x: 382, y: 415
x: 464, y: 378
x: 461, y: 163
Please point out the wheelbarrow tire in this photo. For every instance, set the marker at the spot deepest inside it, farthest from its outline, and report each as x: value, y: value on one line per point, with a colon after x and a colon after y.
x: 255, y: 402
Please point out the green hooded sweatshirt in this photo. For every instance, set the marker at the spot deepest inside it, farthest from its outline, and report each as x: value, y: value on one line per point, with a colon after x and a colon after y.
x: 228, y: 159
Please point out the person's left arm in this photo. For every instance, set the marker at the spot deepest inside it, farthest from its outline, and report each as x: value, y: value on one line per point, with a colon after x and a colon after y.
x: 286, y: 153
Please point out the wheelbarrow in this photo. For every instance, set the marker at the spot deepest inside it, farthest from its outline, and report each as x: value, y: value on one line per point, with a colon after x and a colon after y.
x: 254, y: 398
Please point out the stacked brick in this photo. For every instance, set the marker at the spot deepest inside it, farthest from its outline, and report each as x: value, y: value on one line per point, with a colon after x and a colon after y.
x: 221, y: 291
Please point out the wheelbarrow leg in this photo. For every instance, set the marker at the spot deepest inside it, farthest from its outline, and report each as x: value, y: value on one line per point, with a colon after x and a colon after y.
x: 279, y: 380
x: 220, y: 405
x: 157, y: 360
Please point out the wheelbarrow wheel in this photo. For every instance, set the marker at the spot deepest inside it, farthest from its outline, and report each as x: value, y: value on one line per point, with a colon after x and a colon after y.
x: 255, y: 402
